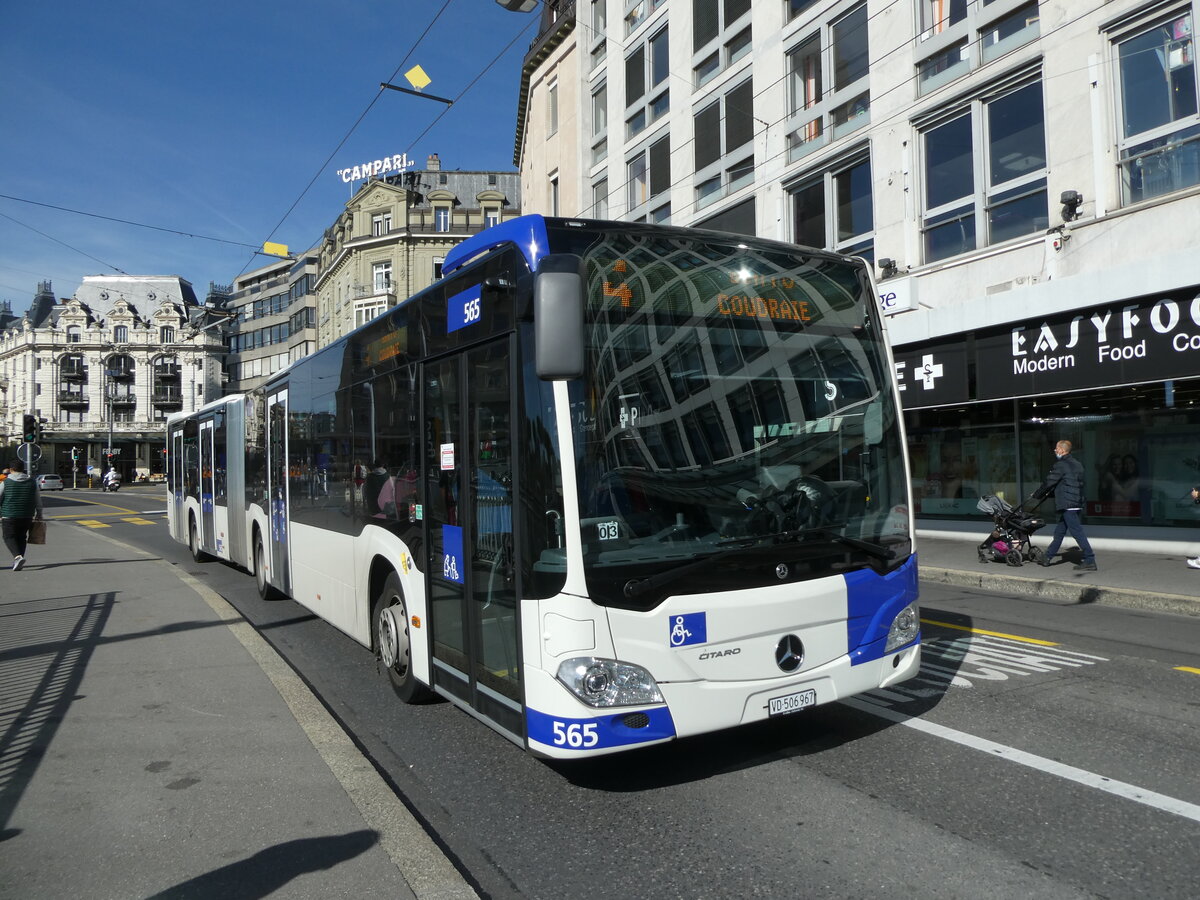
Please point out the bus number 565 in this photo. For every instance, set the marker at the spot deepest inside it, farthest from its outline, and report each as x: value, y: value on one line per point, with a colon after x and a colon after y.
x: 576, y: 735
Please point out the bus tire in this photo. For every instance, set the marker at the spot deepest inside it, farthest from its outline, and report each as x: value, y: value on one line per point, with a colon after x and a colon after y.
x: 393, y: 642
x: 198, y: 555
x: 265, y: 590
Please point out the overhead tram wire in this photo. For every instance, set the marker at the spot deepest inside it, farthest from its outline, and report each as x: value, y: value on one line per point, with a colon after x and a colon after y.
x: 65, y: 244
x: 472, y: 84
x: 80, y: 212
x: 353, y: 128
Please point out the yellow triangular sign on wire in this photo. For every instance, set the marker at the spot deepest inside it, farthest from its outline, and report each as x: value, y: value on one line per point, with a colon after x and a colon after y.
x: 275, y: 249
x: 417, y: 78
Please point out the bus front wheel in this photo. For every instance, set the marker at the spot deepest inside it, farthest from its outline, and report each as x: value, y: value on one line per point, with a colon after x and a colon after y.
x: 393, y: 642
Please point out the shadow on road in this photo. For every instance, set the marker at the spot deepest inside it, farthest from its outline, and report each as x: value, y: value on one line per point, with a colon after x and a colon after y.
x: 267, y: 871
x: 40, y: 686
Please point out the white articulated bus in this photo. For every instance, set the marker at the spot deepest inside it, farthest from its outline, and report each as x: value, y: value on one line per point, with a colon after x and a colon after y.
x: 603, y: 485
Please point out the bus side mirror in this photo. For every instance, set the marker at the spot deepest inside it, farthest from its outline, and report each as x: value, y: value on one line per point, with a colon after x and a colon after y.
x: 558, y: 317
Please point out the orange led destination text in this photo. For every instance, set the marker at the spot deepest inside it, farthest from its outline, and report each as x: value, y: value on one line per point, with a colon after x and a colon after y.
x: 780, y: 309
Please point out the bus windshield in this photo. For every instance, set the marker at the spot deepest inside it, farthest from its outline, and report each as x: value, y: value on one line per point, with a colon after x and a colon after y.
x: 736, y: 427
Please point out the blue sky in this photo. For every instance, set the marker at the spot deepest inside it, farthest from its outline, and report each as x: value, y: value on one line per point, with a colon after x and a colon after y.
x: 212, y: 118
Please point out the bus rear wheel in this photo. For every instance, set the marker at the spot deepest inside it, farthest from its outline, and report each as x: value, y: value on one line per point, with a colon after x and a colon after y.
x: 393, y: 642
x: 198, y: 555
x: 265, y: 591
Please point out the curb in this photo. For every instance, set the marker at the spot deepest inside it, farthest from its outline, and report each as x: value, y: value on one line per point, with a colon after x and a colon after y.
x: 1050, y: 589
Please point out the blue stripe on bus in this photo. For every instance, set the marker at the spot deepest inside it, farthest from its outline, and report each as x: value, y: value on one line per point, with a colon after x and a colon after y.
x: 872, y: 602
x: 597, y: 733
x: 528, y: 233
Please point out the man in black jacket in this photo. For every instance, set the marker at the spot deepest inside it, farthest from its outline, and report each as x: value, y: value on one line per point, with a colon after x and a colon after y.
x: 1065, y: 482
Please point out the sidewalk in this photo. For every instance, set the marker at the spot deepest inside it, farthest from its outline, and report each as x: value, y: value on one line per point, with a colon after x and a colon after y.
x: 1157, y: 579
x: 153, y: 745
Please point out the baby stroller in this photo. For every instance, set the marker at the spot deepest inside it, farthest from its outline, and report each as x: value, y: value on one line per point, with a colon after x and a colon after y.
x: 1009, y: 541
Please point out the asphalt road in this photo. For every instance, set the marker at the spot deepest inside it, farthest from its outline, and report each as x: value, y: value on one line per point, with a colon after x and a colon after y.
x: 1045, y: 751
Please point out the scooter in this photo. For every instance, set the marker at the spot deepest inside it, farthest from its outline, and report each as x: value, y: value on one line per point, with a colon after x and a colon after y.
x: 113, y: 484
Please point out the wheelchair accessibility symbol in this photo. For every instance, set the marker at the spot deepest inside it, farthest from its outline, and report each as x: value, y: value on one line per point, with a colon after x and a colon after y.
x: 690, y: 628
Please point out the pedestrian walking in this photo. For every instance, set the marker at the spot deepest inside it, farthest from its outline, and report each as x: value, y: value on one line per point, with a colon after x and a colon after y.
x: 1194, y: 562
x: 20, y: 504
x: 1065, y: 482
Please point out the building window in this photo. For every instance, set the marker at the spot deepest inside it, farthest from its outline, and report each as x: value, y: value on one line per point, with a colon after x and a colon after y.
x: 74, y: 335
x: 711, y: 17
x: 382, y: 272
x: 552, y: 108
x: 600, y: 124
x: 723, y: 148
x: 1160, y: 128
x: 491, y: 217
x: 600, y: 199
x: 795, y: 7
x: 437, y: 267
x: 649, y: 172
x: 828, y: 93
x: 166, y: 334
x: 441, y: 218
x: 554, y: 196
x: 957, y: 36
x: 365, y: 312
x: 985, y: 174
x: 381, y: 224
x: 121, y: 334
x: 834, y: 210
x: 647, y: 97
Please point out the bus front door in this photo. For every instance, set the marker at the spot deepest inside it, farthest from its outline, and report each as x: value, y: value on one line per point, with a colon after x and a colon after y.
x: 277, y: 490
x: 469, y: 515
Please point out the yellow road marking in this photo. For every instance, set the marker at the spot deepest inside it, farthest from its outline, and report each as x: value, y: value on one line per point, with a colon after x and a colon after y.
x: 120, y: 509
x: 1188, y: 669
x: 138, y: 520
x: 93, y: 523
x: 999, y: 634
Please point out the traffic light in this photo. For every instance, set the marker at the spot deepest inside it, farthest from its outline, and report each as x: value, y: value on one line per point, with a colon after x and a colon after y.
x: 29, y: 428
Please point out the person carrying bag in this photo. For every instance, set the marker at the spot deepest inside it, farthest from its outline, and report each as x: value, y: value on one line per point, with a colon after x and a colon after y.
x: 20, y: 507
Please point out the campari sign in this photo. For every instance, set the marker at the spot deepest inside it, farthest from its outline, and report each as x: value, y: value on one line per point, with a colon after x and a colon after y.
x: 388, y: 165
x: 1147, y: 339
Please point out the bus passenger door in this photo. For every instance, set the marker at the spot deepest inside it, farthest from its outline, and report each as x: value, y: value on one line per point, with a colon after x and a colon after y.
x: 277, y: 490
x: 207, y: 529
x: 175, y: 471
x: 469, y: 516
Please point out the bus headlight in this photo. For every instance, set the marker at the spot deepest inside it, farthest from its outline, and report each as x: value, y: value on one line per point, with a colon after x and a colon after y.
x: 905, y: 628
x: 607, y: 682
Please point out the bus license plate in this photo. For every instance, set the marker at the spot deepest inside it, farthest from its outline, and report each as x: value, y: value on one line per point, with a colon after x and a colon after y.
x: 790, y: 703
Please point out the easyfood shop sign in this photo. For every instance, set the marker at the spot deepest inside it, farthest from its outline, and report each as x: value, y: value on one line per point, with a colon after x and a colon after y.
x: 1148, y: 339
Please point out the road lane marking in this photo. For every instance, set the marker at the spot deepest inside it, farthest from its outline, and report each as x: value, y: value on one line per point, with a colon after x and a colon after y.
x: 138, y: 520
x: 1188, y: 669
x: 1153, y: 799
x: 999, y: 634
x: 93, y: 523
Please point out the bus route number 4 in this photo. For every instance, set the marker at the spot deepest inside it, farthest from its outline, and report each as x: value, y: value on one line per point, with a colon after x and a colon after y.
x: 575, y: 734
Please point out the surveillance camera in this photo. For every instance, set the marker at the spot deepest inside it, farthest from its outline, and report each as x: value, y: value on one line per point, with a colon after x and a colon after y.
x: 1071, y: 201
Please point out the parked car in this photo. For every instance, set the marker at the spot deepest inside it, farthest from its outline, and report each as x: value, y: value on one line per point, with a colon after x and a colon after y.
x: 50, y: 483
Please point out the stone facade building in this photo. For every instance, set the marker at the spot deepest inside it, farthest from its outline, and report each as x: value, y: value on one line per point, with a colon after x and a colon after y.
x: 104, y: 368
x: 393, y: 235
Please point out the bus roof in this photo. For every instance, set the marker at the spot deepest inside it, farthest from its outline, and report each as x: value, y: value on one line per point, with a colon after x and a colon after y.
x: 531, y: 235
